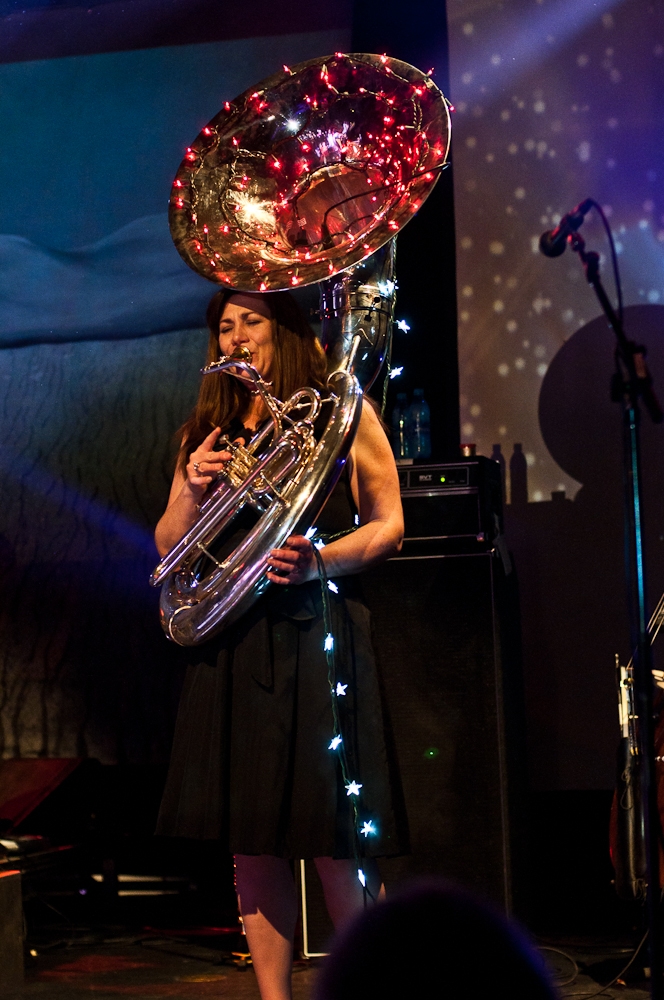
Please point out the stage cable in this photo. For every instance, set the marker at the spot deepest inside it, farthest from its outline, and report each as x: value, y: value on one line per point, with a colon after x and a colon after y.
x: 596, y: 993
x: 557, y: 951
x: 614, y: 257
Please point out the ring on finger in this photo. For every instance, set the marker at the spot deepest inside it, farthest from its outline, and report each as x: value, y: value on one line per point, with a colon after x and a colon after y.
x: 197, y: 467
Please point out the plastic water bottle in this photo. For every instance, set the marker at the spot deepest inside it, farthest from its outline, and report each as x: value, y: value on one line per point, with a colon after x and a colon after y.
x: 497, y: 456
x: 419, y: 426
x: 518, y: 476
x: 400, y: 426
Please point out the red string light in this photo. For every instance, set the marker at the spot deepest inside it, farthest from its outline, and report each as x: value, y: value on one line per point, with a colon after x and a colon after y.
x: 352, y: 182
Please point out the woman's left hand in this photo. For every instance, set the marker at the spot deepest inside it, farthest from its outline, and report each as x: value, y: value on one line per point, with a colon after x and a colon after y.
x: 296, y: 563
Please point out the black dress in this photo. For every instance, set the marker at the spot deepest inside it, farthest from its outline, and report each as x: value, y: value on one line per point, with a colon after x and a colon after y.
x: 251, y: 764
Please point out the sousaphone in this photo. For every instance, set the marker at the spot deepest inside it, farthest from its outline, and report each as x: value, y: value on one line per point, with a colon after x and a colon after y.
x: 305, y: 178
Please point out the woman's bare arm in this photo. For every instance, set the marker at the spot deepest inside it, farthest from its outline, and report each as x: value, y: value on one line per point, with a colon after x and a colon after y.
x: 375, y: 486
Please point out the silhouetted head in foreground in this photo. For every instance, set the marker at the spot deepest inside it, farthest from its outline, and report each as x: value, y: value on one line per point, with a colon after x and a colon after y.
x: 432, y: 940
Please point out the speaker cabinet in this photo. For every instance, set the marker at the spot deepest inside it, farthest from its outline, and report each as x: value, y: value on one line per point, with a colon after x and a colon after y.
x: 447, y: 640
x: 446, y: 635
x: 11, y: 934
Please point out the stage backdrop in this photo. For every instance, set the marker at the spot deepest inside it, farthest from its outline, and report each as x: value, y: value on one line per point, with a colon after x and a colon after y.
x: 557, y: 101
x: 101, y: 342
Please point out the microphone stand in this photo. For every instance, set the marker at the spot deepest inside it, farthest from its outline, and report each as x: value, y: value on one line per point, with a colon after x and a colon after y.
x: 631, y: 381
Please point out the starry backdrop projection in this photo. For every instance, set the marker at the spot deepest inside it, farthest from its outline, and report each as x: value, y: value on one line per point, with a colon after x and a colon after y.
x: 556, y: 101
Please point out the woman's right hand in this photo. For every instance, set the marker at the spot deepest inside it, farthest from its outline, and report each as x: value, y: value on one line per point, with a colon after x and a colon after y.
x: 204, y: 464
x: 188, y: 490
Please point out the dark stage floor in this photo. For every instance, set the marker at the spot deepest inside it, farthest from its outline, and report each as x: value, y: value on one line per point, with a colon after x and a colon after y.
x: 138, y: 969
x: 93, y: 929
x: 148, y: 966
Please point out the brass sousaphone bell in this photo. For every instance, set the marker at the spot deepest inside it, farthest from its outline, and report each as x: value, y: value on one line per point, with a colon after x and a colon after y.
x: 305, y: 178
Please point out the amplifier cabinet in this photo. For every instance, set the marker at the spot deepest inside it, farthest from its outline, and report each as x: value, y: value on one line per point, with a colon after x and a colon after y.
x: 451, y: 507
x: 11, y: 935
x: 446, y: 636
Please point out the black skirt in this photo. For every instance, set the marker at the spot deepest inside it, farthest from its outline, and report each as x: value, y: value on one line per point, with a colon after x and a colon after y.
x: 251, y: 764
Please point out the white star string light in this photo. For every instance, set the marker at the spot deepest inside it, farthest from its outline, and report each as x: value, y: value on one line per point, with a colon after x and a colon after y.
x: 337, y: 689
x: 402, y: 325
x: 310, y: 533
x: 395, y: 371
x: 386, y: 288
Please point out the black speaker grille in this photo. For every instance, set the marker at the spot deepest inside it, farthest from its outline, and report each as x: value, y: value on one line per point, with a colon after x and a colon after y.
x: 443, y: 631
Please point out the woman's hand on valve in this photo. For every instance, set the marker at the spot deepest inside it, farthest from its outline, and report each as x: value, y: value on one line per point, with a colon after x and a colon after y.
x: 204, y: 464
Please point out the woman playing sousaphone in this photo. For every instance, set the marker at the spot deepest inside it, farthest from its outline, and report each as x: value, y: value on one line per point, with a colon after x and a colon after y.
x: 251, y: 765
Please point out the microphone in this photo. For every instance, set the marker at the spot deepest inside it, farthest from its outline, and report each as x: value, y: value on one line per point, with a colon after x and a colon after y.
x: 553, y: 242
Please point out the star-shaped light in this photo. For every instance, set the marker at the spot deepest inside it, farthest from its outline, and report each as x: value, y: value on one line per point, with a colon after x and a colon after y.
x: 311, y: 532
x: 362, y: 877
x: 368, y: 828
x: 352, y: 788
x: 395, y: 371
x: 329, y: 642
x: 335, y: 743
x: 386, y: 287
x: 332, y: 586
x: 402, y: 325
x: 341, y: 690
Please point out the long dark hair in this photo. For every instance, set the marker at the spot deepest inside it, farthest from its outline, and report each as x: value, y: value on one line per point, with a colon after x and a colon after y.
x: 298, y: 360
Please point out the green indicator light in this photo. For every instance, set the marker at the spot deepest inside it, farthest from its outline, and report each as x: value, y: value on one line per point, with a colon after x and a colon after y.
x: 443, y: 479
x: 431, y: 752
